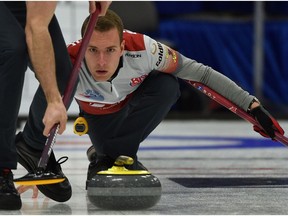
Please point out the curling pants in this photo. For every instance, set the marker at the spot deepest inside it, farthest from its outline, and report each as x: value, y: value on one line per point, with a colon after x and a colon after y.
x: 122, y: 132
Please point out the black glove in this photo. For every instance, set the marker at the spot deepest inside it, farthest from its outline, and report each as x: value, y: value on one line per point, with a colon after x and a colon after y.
x: 267, y: 122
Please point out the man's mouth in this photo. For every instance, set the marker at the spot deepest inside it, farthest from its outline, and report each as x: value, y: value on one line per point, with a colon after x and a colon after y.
x: 101, y: 71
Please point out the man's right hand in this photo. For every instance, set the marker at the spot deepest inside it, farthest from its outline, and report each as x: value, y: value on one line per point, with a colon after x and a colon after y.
x: 55, y: 114
x: 104, y: 6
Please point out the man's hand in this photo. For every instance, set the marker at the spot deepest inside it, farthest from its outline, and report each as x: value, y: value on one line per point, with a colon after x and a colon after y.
x: 55, y: 113
x: 104, y: 6
x: 267, y: 122
x: 22, y: 188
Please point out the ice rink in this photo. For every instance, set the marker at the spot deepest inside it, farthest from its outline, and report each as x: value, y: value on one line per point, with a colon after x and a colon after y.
x: 205, y: 167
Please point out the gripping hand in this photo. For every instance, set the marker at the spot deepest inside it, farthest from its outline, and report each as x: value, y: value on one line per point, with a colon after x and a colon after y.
x: 267, y: 122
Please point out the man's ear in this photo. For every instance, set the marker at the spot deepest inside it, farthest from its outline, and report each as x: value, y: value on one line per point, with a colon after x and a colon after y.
x: 122, y: 46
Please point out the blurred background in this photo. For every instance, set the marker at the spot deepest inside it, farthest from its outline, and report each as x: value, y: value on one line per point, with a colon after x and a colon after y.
x: 244, y: 40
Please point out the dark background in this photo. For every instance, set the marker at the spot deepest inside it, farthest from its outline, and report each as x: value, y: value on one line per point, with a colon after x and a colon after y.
x: 220, y: 35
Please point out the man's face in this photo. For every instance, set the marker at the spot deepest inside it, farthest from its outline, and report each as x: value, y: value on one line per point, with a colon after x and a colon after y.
x: 103, y: 54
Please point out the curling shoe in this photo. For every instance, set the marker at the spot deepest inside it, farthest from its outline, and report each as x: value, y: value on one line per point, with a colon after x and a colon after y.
x: 92, y: 156
x: 29, y: 158
x: 101, y: 163
x: 137, y: 165
x: 91, y: 153
x: 97, y: 165
x: 9, y: 196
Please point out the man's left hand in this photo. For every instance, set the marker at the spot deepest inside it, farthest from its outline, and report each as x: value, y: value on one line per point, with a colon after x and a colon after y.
x: 267, y: 122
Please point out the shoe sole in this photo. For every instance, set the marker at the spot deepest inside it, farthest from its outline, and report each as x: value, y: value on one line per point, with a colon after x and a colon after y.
x: 30, y: 166
x: 10, y: 202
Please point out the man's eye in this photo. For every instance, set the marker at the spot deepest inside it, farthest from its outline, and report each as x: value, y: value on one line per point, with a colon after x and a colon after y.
x: 92, y: 50
x: 110, y: 50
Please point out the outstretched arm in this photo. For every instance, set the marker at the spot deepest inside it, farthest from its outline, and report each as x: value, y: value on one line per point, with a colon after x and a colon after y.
x: 194, y: 72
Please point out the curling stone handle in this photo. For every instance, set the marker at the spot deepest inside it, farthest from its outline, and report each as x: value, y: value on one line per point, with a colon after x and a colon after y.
x: 123, y: 160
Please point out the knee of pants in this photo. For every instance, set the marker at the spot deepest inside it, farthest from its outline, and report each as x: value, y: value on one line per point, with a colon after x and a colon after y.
x: 166, y: 87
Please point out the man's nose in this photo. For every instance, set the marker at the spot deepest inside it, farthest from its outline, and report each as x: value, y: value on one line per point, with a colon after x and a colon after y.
x: 102, y: 59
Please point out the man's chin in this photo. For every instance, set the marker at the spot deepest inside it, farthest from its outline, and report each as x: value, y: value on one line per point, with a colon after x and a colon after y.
x: 101, y: 78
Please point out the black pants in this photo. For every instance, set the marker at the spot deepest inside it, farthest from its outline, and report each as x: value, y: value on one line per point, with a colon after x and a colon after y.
x: 13, y: 64
x: 122, y: 132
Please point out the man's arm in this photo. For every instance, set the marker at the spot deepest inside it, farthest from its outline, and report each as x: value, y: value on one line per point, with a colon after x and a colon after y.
x: 39, y: 15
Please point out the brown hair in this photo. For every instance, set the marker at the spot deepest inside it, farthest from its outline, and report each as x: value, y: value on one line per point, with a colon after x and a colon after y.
x: 105, y: 23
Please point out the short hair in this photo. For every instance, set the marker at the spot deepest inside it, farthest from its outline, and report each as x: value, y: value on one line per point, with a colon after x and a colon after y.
x: 105, y: 23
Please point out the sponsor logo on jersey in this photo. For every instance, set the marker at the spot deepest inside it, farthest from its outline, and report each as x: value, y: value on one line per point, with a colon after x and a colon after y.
x: 93, y: 95
x: 133, y: 55
x: 160, y: 54
x: 153, y: 48
x: 137, y: 80
x: 173, y: 54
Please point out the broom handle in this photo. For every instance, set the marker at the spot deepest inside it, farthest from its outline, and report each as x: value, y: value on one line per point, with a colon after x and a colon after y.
x: 69, y: 88
x: 234, y: 108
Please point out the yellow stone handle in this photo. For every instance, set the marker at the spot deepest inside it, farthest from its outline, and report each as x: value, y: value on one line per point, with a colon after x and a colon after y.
x: 123, y: 160
x: 119, y: 168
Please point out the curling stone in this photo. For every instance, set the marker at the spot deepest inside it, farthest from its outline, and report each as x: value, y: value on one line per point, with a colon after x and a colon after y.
x: 121, y: 189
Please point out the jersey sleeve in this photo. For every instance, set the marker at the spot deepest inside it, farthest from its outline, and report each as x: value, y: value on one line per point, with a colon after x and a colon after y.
x: 165, y: 59
x: 73, y: 49
x: 161, y: 57
x: 190, y: 69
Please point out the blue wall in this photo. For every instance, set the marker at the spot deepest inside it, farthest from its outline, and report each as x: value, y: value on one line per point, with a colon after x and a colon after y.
x: 227, y: 46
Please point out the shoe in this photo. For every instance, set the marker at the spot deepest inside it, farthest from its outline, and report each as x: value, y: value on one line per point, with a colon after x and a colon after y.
x: 29, y: 158
x: 104, y: 163
x: 9, y: 196
x: 92, y: 155
x: 137, y: 165
x: 99, y: 164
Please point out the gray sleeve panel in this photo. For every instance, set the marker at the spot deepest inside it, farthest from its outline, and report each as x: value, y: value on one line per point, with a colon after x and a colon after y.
x: 191, y: 70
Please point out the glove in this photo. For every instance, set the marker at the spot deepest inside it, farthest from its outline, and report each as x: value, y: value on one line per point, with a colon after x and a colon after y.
x: 267, y: 122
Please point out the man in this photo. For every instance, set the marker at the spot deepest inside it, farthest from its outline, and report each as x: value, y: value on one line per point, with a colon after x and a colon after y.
x: 31, y: 27
x: 128, y: 83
